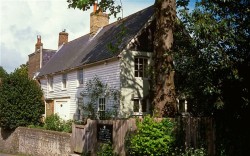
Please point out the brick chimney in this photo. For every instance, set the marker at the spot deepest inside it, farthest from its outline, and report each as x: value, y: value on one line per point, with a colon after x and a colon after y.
x: 63, y: 38
x: 39, y: 43
x: 98, y: 19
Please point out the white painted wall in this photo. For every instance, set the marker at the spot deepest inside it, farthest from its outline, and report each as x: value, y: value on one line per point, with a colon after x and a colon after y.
x: 108, y: 72
x: 131, y: 86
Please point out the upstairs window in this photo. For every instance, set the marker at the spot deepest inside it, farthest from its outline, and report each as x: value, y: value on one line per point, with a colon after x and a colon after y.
x: 64, y: 81
x: 80, y: 77
x: 50, y: 81
x: 141, y: 65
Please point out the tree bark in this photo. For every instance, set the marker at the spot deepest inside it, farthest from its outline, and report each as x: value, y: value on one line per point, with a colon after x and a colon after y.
x: 164, y: 99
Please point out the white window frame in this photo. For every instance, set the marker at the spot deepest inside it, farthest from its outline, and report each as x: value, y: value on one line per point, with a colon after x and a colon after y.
x: 140, y: 68
x: 64, y: 81
x: 102, y: 106
x: 80, y: 77
x: 51, y: 83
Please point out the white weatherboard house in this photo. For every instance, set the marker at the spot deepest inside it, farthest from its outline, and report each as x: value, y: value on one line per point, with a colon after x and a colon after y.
x: 123, y: 67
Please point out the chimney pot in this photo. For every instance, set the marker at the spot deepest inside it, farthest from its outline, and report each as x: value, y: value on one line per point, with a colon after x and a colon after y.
x: 38, y: 43
x: 95, y: 6
x: 63, y: 38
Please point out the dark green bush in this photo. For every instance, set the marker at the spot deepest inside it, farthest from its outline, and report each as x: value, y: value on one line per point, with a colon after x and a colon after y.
x: 21, y: 101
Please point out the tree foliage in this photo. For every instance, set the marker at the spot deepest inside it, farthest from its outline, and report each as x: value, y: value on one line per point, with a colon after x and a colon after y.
x: 212, y: 68
x: 218, y: 54
x: 3, y: 73
x: 21, y: 101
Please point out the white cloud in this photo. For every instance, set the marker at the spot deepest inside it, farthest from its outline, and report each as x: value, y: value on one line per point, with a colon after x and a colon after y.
x: 22, y: 20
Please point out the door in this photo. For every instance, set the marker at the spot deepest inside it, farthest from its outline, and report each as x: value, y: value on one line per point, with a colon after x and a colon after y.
x: 49, y: 107
x: 62, y: 109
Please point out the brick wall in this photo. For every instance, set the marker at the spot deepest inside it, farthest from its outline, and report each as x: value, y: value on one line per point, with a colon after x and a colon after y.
x: 97, y: 20
x: 34, y: 63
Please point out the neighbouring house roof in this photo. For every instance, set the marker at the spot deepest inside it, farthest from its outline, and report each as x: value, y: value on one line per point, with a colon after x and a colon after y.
x: 85, y: 50
x: 47, y: 55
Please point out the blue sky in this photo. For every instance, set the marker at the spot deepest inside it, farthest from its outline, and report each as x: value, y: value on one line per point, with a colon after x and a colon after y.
x: 22, y: 20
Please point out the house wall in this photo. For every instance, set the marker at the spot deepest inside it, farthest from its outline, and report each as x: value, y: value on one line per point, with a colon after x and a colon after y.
x: 131, y: 86
x: 107, y: 71
x: 34, y: 64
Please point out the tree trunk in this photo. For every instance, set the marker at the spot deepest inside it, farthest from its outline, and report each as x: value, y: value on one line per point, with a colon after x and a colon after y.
x: 164, y: 89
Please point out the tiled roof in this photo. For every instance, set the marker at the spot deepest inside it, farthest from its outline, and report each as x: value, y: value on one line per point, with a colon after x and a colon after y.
x: 47, y: 55
x: 86, y: 50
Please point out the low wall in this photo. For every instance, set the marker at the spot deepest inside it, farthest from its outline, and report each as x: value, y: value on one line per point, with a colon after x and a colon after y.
x: 35, y: 142
x: 8, y: 141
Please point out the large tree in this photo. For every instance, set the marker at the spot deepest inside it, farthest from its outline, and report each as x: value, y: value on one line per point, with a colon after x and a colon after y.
x: 214, y: 75
x: 21, y: 101
x: 164, y: 100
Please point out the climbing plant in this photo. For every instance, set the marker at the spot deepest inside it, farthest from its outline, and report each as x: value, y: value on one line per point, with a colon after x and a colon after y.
x: 96, y: 89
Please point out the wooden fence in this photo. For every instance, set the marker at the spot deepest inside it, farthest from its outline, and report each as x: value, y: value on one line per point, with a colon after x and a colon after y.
x: 197, y: 132
x: 85, y: 138
x: 192, y: 132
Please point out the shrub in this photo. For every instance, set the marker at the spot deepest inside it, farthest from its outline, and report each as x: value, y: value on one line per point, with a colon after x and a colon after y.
x: 55, y: 123
x: 151, y: 138
x: 106, y: 150
x: 21, y: 101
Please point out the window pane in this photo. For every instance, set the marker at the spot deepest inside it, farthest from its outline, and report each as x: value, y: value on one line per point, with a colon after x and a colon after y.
x: 144, y: 106
x: 102, y: 108
x: 64, y: 80
x: 141, y: 67
x: 136, y: 105
x: 80, y: 77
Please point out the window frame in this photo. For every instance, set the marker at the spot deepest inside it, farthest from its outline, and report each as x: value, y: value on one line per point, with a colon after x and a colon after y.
x: 140, y: 66
x: 141, y: 104
x: 51, y: 83
x: 64, y: 81
x: 102, y: 107
x: 80, y: 79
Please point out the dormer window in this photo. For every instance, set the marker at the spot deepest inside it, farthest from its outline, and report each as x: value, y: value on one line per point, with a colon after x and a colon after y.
x: 64, y: 81
x: 141, y: 64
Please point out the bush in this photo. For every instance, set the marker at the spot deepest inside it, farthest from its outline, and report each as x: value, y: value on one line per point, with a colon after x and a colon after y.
x: 52, y: 122
x: 151, y: 138
x: 106, y: 150
x: 21, y: 101
x: 55, y: 123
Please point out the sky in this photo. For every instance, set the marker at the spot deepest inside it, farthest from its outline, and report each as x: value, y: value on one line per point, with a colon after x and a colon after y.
x: 22, y: 20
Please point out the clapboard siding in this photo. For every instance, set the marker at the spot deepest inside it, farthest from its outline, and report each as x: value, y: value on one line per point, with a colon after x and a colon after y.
x: 109, y: 73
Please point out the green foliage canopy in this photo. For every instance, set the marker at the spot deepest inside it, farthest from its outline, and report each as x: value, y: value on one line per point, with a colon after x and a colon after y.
x: 3, y: 73
x: 216, y: 55
x: 213, y: 68
x: 21, y: 101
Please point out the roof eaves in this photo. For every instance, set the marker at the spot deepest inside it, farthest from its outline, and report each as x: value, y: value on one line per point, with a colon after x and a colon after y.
x: 140, y: 32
